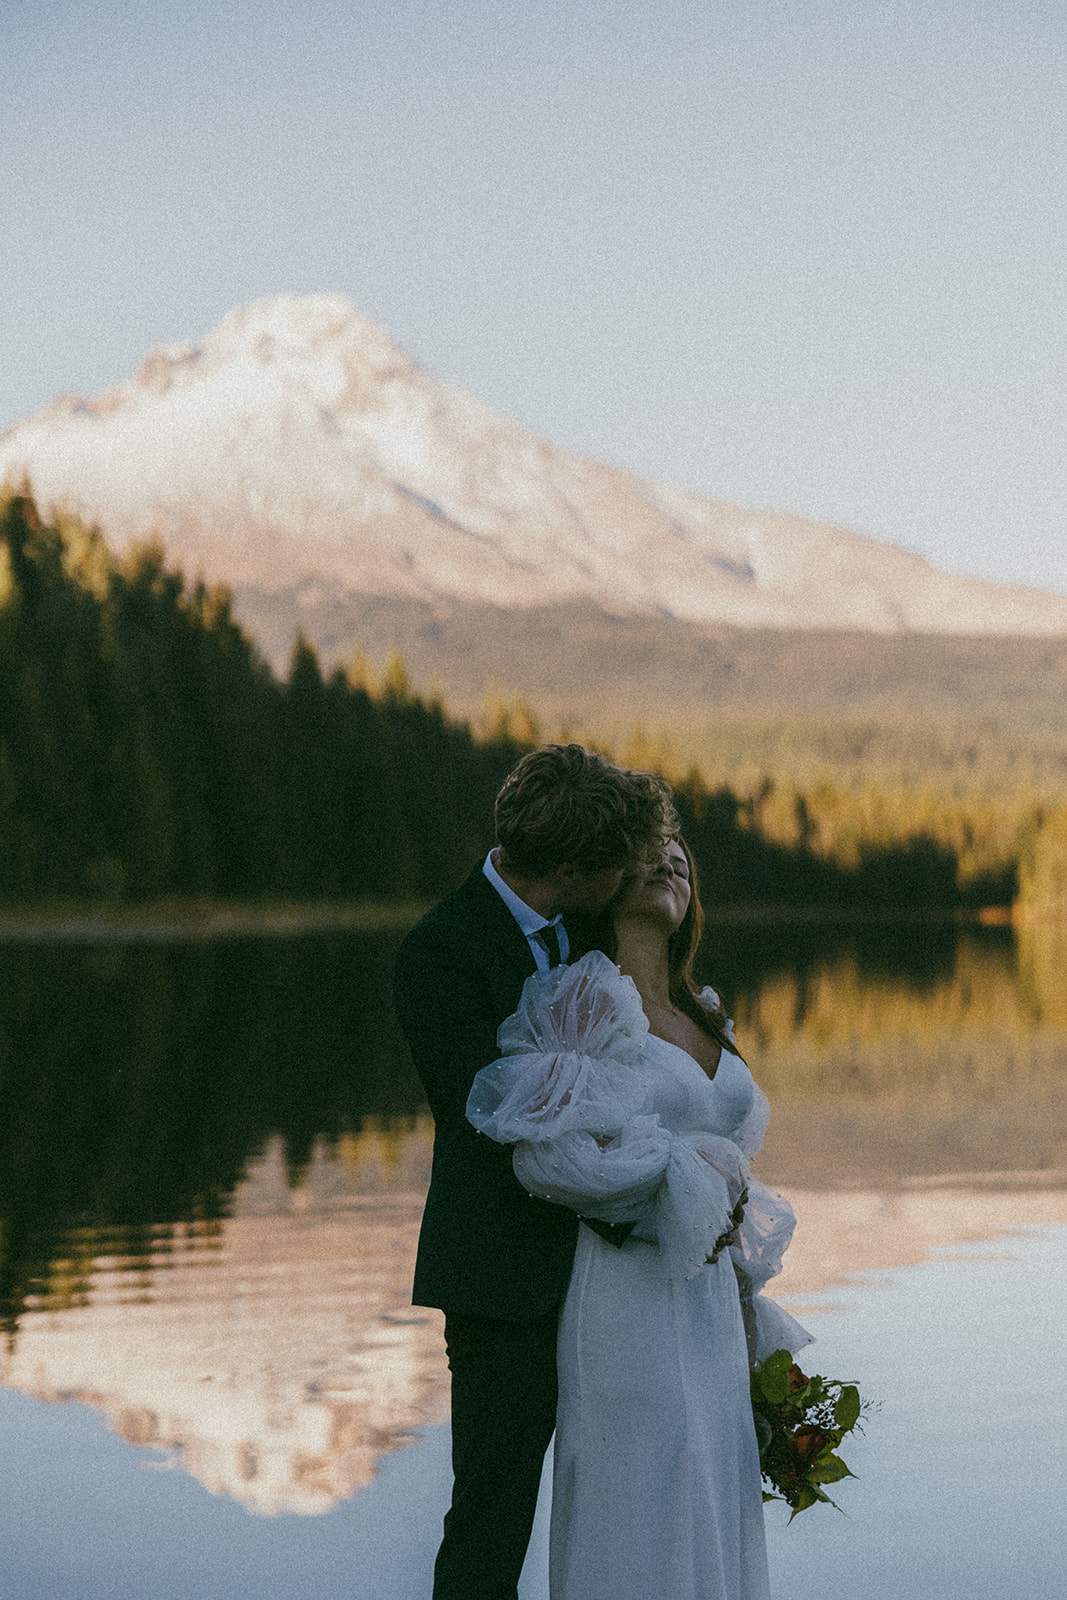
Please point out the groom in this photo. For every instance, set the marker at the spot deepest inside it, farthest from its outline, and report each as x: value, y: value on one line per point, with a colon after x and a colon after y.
x: 493, y: 1258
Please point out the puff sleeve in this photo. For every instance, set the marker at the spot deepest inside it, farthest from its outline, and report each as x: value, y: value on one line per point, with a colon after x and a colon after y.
x: 568, y: 1093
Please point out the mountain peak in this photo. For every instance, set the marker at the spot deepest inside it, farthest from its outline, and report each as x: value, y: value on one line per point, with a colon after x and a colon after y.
x: 304, y: 327
x: 297, y: 441
x: 279, y: 331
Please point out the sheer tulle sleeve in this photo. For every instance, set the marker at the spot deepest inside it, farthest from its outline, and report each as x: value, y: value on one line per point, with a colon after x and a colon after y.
x: 687, y: 1183
x: 761, y: 1241
x: 567, y: 1057
x: 567, y: 1094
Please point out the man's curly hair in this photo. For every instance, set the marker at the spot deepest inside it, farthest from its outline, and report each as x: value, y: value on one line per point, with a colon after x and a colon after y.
x: 563, y: 803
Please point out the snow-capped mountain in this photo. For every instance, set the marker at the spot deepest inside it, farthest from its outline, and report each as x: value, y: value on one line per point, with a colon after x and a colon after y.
x: 297, y: 441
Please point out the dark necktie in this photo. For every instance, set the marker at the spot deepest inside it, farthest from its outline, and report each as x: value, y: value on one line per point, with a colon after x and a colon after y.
x: 549, y: 937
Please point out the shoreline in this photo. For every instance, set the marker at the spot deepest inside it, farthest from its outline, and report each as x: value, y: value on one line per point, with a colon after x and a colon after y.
x: 167, y: 921
x: 175, y: 919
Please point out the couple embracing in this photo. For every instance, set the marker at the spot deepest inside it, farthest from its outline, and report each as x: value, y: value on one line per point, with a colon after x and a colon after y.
x: 591, y: 1232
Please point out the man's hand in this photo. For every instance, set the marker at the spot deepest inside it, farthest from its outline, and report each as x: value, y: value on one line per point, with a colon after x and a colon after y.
x: 730, y: 1236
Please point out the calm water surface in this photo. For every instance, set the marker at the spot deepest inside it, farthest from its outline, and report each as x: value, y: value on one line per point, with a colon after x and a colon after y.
x: 213, y: 1158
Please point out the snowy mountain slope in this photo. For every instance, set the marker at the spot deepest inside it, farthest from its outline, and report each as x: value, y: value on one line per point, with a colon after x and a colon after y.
x: 297, y: 441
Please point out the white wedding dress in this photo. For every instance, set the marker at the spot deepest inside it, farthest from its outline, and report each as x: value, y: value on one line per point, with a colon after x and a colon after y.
x: 656, y: 1488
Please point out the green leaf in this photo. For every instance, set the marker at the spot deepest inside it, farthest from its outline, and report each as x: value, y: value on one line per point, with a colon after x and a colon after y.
x: 807, y: 1497
x: 773, y: 1386
x: 829, y: 1471
x: 772, y: 1379
x: 847, y: 1409
x: 780, y: 1361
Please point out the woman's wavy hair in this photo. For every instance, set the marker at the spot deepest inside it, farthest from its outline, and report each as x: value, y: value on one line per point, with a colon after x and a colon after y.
x: 598, y: 933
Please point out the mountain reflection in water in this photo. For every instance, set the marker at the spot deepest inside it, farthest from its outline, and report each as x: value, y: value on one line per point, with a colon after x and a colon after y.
x: 213, y: 1161
x: 276, y: 1359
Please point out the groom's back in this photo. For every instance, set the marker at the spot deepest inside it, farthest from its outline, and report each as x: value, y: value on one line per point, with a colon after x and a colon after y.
x: 486, y: 1247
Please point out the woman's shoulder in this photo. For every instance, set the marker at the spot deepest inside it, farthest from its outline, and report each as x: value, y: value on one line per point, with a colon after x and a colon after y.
x: 710, y: 999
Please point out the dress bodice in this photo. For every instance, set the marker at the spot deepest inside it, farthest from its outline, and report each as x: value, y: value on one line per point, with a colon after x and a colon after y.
x: 686, y: 1100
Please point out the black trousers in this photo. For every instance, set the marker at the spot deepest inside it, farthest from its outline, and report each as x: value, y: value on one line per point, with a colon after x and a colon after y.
x: 503, y: 1414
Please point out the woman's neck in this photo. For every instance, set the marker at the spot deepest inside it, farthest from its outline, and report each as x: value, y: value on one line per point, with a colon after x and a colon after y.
x: 642, y: 955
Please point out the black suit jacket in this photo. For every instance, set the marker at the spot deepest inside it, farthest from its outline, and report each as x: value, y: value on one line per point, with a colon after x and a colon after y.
x: 486, y: 1248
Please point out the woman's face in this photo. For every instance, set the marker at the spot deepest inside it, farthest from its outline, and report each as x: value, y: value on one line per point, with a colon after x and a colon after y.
x: 658, y: 890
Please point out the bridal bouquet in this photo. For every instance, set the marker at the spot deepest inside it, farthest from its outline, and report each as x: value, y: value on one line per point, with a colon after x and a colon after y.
x: 800, y: 1422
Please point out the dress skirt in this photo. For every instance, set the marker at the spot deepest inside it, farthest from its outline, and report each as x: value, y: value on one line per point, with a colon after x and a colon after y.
x: 657, y: 1492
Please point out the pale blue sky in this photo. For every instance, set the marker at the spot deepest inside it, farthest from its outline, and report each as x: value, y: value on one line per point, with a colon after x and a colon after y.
x: 807, y: 255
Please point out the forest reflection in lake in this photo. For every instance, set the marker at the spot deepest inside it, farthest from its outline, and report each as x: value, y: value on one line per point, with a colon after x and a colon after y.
x: 138, y: 1082
x: 909, y: 1054
x: 213, y: 1159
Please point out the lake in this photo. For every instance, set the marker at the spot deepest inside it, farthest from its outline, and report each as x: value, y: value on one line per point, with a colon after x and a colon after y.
x: 214, y: 1154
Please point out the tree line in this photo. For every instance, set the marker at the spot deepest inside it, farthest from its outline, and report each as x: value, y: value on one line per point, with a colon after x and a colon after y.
x: 147, y: 750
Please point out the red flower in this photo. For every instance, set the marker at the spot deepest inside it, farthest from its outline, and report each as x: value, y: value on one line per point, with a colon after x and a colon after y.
x: 807, y: 1442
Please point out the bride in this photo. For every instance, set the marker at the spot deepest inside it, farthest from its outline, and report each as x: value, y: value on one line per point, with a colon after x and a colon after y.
x: 622, y: 1091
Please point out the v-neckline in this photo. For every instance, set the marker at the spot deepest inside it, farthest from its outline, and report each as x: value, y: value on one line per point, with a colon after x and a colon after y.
x: 682, y: 1051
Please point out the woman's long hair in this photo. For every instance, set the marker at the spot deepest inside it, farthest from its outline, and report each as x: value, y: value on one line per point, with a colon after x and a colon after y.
x: 599, y: 934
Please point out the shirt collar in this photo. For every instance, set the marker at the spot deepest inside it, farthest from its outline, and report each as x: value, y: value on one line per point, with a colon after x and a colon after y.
x: 529, y: 920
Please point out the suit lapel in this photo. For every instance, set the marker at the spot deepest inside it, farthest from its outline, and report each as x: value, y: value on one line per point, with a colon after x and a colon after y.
x: 494, y: 933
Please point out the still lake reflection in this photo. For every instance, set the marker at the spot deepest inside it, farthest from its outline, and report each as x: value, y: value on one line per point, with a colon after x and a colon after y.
x: 213, y: 1159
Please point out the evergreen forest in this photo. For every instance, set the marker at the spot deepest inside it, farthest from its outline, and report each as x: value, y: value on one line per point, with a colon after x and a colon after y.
x: 148, y: 751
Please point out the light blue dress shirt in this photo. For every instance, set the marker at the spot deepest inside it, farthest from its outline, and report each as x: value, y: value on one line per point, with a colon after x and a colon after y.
x: 531, y: 922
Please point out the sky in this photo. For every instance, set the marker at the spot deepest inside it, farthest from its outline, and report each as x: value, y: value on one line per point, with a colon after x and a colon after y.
x: 801, y: 255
